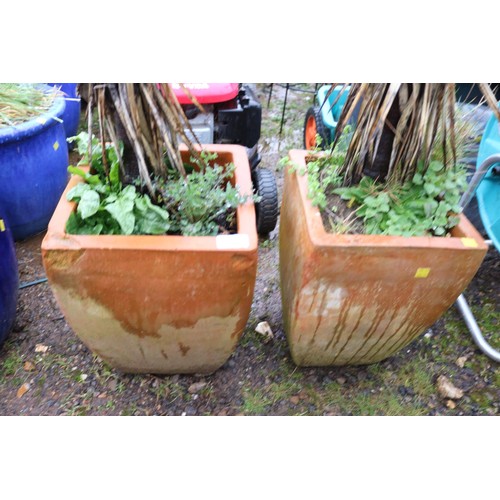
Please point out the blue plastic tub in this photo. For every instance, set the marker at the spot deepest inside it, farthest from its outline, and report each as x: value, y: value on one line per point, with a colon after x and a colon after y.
x: 33, y: 170
x: 488, y: 191
x: 9, y: 279
x: 71, y: 115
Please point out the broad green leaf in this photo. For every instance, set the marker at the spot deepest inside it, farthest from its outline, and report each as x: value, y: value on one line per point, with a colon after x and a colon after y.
x: 73, y: 224
x: 111, y: 198
x: 114, y: 171
x: 129, y: 193
x: 418, y: 179
x: 150, y: 219
x: 89, y: 204
x: 430, y: 189
x: 144, y: 203
x: 151, y: 223
x: 77, y: 191
x: 371, y: 201
x: 122, y: 211
x: 82, y: 142
x: 429, y: 207
x: 384, y: 199
x: 90, y: 179
x: 435, y: 166
x: 77, y: 171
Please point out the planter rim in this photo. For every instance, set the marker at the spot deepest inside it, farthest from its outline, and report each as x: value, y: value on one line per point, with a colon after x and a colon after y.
x: 463, y: 236
x: 244, y: 240
x: 36, y: 124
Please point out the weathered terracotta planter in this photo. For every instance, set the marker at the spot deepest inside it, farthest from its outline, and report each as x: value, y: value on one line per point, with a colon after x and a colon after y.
x: 157, y: 304
x: 357, y: 299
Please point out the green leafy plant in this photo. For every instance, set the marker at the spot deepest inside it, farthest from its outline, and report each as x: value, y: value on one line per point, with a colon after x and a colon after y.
x: 104, y: 206
x: 394, y: 172
x: 204, y: 201
x: 428, y: 204
x: 196, y: 205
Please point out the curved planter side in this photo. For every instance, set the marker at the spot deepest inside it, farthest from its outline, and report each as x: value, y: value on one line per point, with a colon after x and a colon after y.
x: 358, y: 299
x: 34, y: 161
x: 157, y: 304
x: 9, y: 279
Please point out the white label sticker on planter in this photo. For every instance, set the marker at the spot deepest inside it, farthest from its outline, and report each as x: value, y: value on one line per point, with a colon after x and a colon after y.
x: 232, y: 241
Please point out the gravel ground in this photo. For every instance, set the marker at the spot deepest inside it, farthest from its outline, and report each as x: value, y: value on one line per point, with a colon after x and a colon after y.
x: 46, y: 370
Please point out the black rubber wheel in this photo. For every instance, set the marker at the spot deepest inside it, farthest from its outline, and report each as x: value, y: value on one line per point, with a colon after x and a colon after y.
x: 313, y: 125
x: 267, y: 209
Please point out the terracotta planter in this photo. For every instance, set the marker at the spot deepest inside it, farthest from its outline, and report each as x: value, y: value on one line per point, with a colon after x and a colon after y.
x: 357, y: 299
x: 157, y: 304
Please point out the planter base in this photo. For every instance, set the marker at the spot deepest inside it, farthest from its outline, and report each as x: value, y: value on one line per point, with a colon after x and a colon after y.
x: 201, y: 348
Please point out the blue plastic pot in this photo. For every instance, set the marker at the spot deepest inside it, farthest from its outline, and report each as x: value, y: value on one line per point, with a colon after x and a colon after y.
x: 71, y: 115
x: 9, y: 279
x: 33, y: 170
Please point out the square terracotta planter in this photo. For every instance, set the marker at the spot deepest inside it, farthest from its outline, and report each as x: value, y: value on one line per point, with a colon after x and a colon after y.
x: 157, y: 304
x: 357, y: 299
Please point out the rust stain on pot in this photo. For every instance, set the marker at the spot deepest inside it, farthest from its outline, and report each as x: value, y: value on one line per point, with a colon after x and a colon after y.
x: 61, y: 260
x: 348, y: 337
x: 241, y: 262
x: 142, y: 352
x: 372, y: 331
x: 164, y: 289
x: 184, y: 348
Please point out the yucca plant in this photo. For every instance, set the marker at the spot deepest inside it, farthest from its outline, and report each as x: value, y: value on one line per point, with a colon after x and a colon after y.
x: 148, y: 119
x: 138, y: 182
x: 396, y: 166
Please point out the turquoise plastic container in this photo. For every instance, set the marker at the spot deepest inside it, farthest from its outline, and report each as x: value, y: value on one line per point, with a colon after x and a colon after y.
x: 329, y: 114
x: 488, y: 191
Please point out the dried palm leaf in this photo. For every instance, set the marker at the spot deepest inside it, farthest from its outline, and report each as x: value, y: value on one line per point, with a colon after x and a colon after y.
x: 192, y: 97
x: 490, y: 99
x: 397, y: 125
x: 425, y: 120
x: 149, y: 120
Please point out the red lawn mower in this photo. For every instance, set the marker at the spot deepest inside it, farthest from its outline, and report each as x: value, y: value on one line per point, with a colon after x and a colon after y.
x: 233, y: 115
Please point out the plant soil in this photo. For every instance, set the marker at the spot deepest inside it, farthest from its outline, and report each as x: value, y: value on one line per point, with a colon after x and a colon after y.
x: 343, y: 219
x: 46, y: 370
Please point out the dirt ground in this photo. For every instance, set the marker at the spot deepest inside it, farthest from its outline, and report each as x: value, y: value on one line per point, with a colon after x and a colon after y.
x: 46, y: 370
